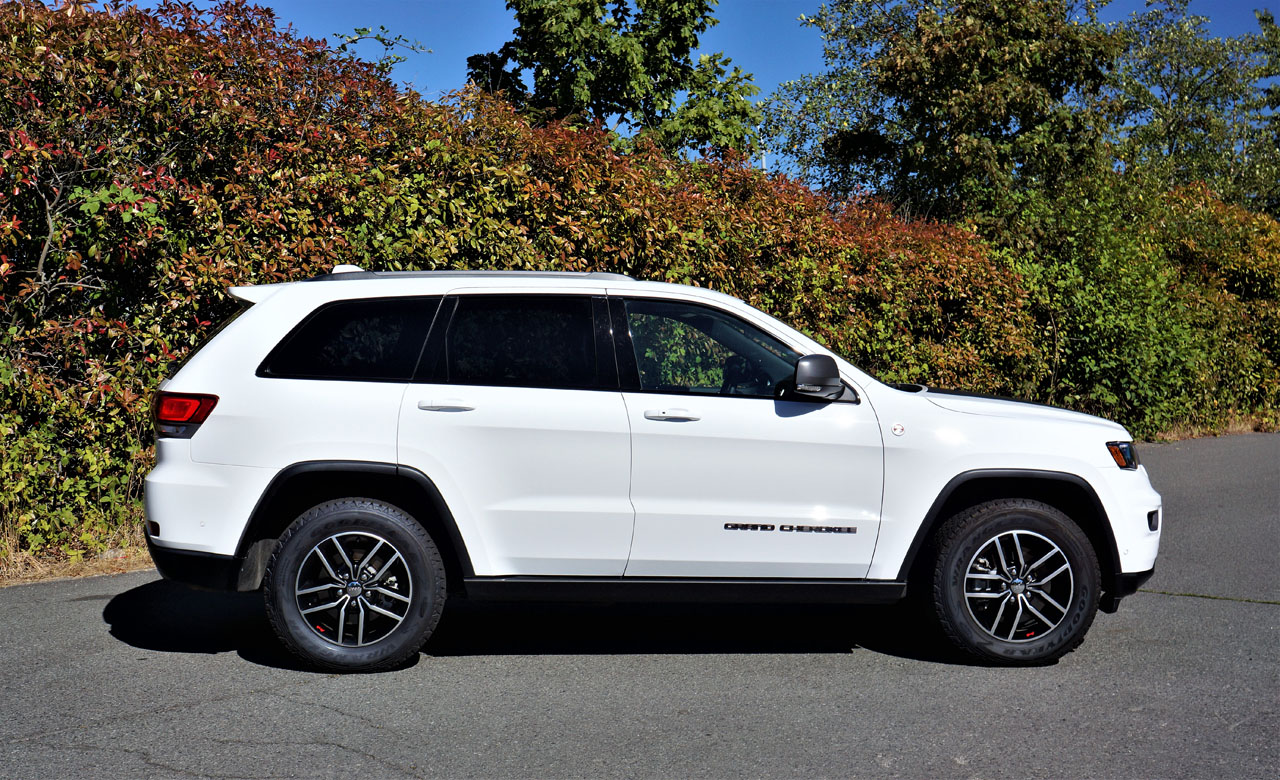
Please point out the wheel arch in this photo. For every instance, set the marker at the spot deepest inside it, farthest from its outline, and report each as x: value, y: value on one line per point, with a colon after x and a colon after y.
x: 1069, y: 493
x: 300, y: 486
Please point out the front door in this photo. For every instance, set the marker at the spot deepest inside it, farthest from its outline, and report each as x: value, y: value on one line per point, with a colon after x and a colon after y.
x: 730, y: 476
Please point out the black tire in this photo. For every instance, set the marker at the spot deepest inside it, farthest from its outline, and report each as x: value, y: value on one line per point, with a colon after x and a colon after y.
x: 369, y: 637
x: 975, y: 596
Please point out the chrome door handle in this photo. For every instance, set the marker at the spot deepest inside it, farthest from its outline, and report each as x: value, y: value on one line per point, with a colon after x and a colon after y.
x: 447, y: 405
x: 671, y: 415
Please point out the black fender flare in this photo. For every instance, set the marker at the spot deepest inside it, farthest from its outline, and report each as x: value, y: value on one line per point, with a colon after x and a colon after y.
x: 1110, y: 555
x: 248, y: 537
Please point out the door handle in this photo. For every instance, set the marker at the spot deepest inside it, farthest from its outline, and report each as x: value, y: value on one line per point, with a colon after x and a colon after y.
x: 671, y: 415
x: 447, y: 405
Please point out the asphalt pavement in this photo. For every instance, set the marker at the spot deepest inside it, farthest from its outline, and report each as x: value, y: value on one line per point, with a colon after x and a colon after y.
x: 131, y: 676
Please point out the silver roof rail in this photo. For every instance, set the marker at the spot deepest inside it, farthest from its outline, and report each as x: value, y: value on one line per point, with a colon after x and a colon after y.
x: 345, y: 272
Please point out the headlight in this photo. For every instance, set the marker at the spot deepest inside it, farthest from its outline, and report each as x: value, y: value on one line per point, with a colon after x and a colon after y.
x: 1124, y: 454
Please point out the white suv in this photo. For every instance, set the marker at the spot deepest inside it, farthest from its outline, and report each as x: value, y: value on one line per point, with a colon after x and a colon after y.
x: 364, y: 445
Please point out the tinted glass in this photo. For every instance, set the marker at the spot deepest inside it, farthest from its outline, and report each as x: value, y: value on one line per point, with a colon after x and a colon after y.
x: 376, y: 339
x: 685, y: 348
x: 243, y: 306
x: 524, y: 340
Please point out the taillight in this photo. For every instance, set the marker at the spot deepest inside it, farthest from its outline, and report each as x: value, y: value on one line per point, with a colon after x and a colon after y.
x: 178, y: 415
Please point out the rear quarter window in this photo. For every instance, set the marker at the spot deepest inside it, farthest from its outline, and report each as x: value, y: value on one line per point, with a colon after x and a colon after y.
x: 375, y: 339
x: 243, y: 307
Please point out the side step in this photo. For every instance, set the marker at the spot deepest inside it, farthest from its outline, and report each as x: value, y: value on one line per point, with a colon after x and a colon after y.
x: 684, y: 589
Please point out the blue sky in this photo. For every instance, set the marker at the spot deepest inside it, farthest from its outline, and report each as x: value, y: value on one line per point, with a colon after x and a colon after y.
x: 762, y: 36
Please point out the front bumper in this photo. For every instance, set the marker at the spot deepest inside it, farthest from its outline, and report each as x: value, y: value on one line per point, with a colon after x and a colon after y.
x: 1126, y: 584
x: 1128, y: 499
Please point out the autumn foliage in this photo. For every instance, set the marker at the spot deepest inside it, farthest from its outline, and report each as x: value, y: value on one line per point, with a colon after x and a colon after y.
x: 151, y: 159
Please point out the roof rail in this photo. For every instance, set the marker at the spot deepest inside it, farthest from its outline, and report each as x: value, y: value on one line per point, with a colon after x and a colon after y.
x: 349, y: 272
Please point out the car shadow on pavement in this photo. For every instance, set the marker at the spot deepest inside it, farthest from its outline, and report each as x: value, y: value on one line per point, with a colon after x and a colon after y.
x: 167, y: 617
x: 171, y: 618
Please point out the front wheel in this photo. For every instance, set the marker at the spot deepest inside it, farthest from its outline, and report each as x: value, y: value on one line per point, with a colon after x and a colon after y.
x: 355, y: 585
x: 1015, y: 581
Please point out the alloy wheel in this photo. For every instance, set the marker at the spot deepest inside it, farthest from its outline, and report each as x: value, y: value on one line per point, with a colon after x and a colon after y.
x: 1018, y: 586
x: 354, y: 589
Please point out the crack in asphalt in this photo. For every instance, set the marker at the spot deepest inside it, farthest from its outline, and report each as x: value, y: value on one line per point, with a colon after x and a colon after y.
x: 320, y: 743
x: 343, y: 713
x: 151, y: 761
x: 1240, y: 599
x: 54, y: 739
x: 122, y: 718
x: 371, y: 723
x: 142, y: 754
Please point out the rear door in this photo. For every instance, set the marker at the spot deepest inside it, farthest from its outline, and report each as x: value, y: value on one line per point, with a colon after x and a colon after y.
x: 517, y: 417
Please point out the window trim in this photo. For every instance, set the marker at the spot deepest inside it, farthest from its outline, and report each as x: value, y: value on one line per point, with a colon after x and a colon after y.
x: 263, y: 371
x: 430, y: 370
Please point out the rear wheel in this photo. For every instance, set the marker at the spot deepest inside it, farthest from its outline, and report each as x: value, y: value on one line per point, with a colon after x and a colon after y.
x: 1015, y: 581
x: 355, y: 585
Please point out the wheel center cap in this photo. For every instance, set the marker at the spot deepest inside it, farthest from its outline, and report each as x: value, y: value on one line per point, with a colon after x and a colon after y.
x: 354, y: 589
x: 1018, y: 587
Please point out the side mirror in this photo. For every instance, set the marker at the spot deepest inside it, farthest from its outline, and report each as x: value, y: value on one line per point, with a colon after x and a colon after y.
x: 818, y: 377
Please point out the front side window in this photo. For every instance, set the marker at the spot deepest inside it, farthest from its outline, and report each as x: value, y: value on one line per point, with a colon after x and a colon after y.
x: 686, y: 348
x: 371, y: 339
x: 522, y: 341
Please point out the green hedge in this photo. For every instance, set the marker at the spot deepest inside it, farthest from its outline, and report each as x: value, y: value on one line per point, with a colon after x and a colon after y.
x: 1155, y: 309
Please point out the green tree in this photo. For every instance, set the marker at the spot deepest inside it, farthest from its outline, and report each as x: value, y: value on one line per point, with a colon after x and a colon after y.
x: 1271, y: 49
x: 945, y: 106
x: 1197, y: 108
x: 625, y: 61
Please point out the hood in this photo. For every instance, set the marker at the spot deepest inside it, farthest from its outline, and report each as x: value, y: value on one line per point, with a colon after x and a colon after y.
x: 991, y: 406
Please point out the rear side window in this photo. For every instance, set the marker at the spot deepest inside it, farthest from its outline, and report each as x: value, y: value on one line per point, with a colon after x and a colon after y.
x: 243, y: 307
x: 376, y: 339
x: 521, y: 340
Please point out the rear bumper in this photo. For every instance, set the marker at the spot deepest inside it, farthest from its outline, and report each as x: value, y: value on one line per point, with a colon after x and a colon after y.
x: 197, y: 569
x: 200, y: 506
x: 1126, y: 584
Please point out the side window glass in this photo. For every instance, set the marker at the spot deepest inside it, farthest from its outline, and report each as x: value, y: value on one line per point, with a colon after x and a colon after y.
x: 521, y: 340
x: 374, y: 339
x: 686, y: 348
x: 673, y: 355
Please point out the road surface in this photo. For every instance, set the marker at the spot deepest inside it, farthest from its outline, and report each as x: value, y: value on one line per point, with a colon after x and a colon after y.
x: 130, y: 676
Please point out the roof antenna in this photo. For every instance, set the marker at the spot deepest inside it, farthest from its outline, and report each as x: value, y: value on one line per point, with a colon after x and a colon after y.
x: 347, y: 268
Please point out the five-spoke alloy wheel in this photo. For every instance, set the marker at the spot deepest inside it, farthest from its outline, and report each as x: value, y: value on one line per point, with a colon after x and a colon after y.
x: 1015, y: 581
x: 355, y: 584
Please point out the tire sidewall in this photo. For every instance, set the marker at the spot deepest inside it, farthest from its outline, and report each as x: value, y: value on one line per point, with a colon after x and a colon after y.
x: 326, y: 520
x: 954, y: 562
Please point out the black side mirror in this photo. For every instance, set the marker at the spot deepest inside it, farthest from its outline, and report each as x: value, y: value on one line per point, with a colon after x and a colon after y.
x: 818, y: 377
